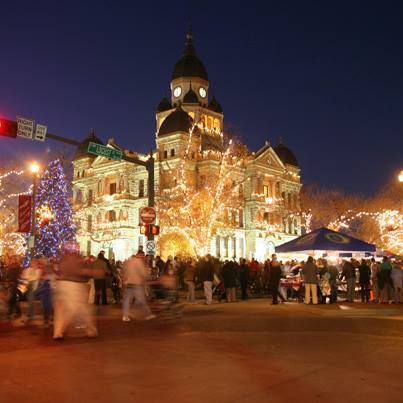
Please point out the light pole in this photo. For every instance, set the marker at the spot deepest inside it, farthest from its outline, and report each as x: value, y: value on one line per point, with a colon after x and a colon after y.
x: 400, y: 176
x: 34, y: 168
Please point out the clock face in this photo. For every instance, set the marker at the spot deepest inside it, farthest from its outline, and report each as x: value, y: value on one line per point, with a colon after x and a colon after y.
x: 177, y: 91
x: 202, y: 92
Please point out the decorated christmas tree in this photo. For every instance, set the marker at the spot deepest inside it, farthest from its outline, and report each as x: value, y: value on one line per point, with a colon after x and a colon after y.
x: 54, y: 221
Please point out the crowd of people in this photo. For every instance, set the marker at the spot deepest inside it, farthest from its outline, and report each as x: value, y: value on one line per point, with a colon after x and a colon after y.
x: 70, y: 286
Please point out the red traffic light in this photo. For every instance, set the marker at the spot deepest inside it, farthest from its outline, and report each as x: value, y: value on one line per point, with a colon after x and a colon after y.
x: 149, y: 229
x: 8, y: 128
x: 144, y: 229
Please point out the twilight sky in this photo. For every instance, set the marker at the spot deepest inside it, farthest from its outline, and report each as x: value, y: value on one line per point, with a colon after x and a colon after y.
x: 327, y: 77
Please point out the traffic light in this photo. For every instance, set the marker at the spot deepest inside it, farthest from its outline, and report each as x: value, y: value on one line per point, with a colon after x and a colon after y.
x: 8, y: 128
x: 144, y: 229
x: 155, y: 229
x: 149, y: 229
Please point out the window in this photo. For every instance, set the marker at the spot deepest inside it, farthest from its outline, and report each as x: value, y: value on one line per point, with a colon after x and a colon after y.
x: 79, y: 196
x: 90, y: 197
x: 172, y: 152
x: 217, y: 246
x: 165, y: 154
x: 241, y: 218
x: 225, y: 246
x: 111, y: 215
x: 89, y: 223
x: 234, y: 247
x: 78, y: 174
x: 112, y: 188
x: 266, y: 191
x: 266, y: 217
x: 141, y: 188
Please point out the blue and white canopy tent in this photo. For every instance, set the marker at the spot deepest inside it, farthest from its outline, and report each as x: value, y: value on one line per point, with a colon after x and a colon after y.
x: 324, y: 240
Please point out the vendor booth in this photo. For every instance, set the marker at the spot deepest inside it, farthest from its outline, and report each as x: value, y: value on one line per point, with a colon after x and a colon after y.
x: 324, y: 242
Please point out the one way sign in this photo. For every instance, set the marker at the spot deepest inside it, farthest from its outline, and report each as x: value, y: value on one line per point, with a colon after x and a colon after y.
x: 40, y: 132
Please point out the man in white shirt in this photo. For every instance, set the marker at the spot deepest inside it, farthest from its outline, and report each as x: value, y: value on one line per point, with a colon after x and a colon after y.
x: 135, y: 274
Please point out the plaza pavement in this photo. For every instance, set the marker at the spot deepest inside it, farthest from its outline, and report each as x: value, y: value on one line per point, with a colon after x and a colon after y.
x: 240, y: 352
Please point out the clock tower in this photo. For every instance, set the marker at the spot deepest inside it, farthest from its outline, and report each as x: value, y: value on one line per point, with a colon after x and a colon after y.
x: 189, y: 103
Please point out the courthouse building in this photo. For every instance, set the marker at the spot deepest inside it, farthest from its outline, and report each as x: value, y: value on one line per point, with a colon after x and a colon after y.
x: 107, y: 194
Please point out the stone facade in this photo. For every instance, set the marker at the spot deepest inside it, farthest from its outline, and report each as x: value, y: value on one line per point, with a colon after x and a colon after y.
x: 108, y: 194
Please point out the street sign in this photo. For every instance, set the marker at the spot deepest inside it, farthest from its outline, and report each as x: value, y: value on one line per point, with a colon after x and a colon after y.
x: 147, y: 215
x: 40, y: 132
x: 25, y: 128
x: 103, y: 151
x: 151, y: 248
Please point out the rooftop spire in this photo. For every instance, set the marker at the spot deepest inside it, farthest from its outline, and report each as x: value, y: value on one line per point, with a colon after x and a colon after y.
x: 189, y: 49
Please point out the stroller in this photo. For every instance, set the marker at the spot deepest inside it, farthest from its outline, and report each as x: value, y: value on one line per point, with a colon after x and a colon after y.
x: 164, y: 298
x: 219, y: 289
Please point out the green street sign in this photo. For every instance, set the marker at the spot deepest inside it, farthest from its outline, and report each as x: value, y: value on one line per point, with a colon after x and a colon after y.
x: 107, y: 152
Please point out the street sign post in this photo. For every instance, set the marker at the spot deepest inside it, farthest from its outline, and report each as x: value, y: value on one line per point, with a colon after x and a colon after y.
x: 151, y: 248
x: 25, y: 127
x: 103, y: 151
x: 147, y: 215
x: 40, y: 132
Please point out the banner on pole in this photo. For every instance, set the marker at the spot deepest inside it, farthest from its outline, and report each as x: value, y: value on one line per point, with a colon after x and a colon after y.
x: 24, y: 213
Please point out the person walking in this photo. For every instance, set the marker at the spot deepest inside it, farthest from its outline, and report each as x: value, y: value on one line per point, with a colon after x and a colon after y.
x: 310, y: 278
x: 229, y: 277
x: 135, y: 274
x: 71, y: 293
x: 243, y: 278
x: 275, y: 274
x: 32, y: 275
x: 348, y: 273
x: 13, y: 274
x: 101, y: 267
x: 385, y: 281
x: 397, y: 280
x: 364, y: 280
x: 189, y: 278
x: 45, y: 291
x: 160, y: 265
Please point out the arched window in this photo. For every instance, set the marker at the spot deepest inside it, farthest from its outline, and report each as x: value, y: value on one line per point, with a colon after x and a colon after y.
x: 111, y: 215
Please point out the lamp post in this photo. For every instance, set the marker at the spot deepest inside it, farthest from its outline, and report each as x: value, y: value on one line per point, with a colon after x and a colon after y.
x: 34, y: 168
x: 400, y: 176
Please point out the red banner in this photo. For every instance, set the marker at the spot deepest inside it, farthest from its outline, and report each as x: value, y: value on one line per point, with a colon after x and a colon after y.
x: 24, y: 213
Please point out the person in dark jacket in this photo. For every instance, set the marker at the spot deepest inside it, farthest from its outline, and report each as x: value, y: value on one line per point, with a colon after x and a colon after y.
x: 12, y: 276
x: 102, y: 266
x: 310, y: 277
x: 365, y: 278
x: 348, y: 273
x: 160, y: 265
x: 229, y: 276
x: 206, y: 274
x: 243, y: 278
x: 275, y: 274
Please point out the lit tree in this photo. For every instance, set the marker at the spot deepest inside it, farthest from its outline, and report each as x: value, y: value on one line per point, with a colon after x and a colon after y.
x: 196, y: 210
x: 54, y: 223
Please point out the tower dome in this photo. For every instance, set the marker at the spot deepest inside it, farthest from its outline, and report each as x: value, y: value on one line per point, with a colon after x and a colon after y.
x: 285, y: 154
x: 164, y: 105
x: 176, y: 121
x: 189, y: 65
x: 215, y: 106
x: 82, y: 148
